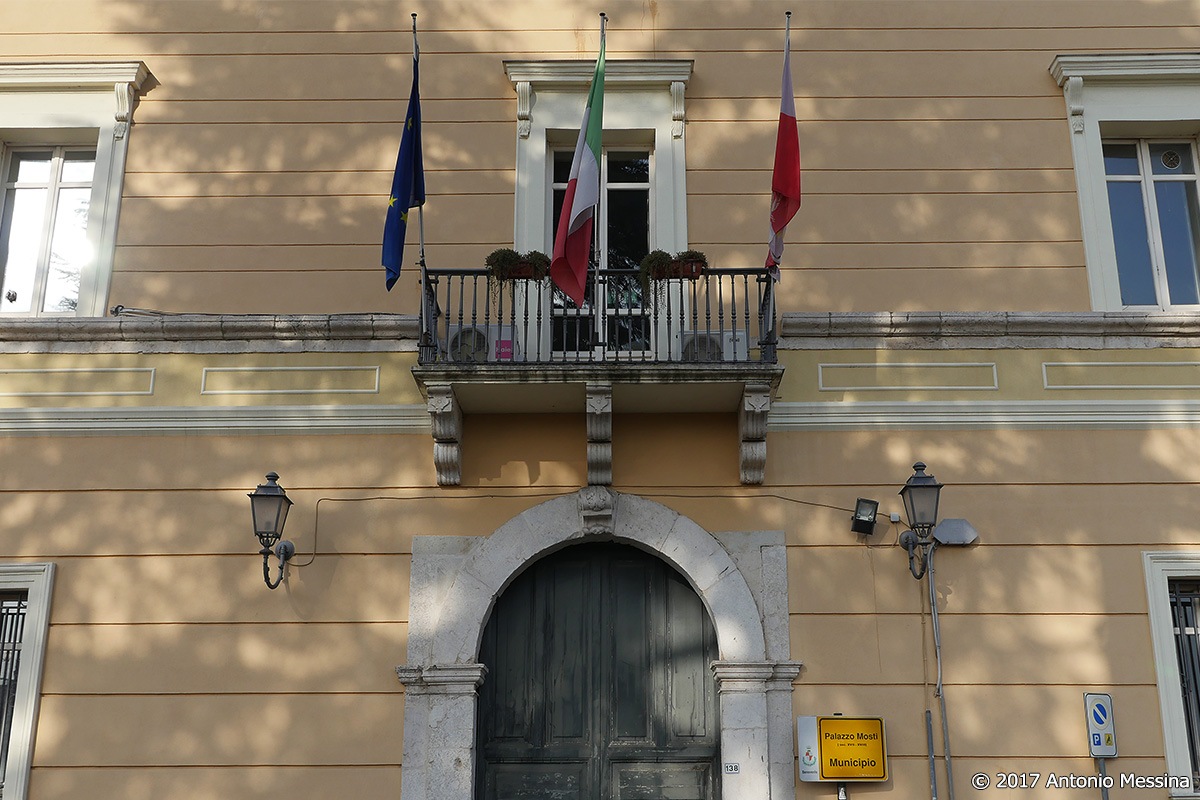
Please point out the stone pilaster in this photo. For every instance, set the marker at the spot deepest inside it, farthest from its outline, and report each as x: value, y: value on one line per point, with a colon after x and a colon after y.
x: 756, y: 729
x: 440, y: 700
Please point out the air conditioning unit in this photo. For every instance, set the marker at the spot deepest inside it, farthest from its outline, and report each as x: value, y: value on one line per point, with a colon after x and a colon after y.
x: 701, y: 346
x: 481, y: 344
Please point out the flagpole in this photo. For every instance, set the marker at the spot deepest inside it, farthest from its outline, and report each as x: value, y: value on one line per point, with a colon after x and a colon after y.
x: 596, y: 212
x: 420, y: 208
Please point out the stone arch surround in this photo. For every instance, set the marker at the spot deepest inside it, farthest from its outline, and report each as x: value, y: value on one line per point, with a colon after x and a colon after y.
x: 741, y: 577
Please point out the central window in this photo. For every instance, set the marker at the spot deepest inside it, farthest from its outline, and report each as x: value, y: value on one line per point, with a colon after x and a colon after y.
x: 1155, y: 212
x: 614, y: 316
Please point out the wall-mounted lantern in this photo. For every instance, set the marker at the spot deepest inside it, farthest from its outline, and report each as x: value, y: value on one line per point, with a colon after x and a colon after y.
x: 269, y: 504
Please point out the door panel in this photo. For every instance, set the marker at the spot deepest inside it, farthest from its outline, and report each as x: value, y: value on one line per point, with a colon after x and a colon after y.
x: 599, y: 683
x: 631, y: 675
x: 568, y: 683
x: 662, y: 781
x: 537, y: 781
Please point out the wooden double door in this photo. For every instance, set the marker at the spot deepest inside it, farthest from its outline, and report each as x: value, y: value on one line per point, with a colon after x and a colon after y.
x: 599, y: 683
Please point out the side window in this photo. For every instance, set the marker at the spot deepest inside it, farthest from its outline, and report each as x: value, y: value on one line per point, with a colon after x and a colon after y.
x: 1155, y: 217
x: 64, y: 135
x: 43, y: 229
x: 13, y: 608
x: 25, y: 591
x: 1133, y: 125
x: 1185, y: 629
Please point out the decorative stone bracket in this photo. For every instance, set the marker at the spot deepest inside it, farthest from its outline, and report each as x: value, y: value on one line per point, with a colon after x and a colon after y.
x: 446, y: 418
x: 1073, y: 89
x: 596, y: 509
x: 599, y: 434
x: 752, y: 427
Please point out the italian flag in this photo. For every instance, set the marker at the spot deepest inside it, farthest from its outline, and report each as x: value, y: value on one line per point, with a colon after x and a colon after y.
x: 785, y: 180
x: 573, y: 241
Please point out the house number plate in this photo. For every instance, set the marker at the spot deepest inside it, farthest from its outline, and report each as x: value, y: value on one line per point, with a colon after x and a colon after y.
x: 733, y: 769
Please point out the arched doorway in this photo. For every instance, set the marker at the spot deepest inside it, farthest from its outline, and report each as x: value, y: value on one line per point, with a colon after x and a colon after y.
x: 599, y: 683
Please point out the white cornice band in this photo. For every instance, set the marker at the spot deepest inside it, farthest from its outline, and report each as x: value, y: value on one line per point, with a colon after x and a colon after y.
x: 784, y: 416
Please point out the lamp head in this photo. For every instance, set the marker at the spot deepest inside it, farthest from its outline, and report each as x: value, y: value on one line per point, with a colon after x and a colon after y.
x: 269, y: 504
x: 920, y: 496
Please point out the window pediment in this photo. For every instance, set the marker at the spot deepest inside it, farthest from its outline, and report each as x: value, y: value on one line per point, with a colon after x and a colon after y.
x: 617, y: 72
x: 1127, y: 66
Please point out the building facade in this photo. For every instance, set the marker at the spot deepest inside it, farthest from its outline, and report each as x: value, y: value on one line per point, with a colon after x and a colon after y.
x: 544, y: 550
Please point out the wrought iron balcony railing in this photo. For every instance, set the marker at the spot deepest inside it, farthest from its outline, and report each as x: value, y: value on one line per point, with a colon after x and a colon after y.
x: 724, y: 315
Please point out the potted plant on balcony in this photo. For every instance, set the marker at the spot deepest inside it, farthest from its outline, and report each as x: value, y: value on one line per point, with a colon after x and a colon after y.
x: 689, y: 264
x: 660, y: 265
x: 506, y: 264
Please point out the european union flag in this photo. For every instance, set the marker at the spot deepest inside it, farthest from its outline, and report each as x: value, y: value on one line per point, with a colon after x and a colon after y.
x: 408, y: 185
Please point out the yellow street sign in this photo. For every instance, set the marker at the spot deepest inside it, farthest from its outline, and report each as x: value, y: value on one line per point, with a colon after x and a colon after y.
x: 851, y: 749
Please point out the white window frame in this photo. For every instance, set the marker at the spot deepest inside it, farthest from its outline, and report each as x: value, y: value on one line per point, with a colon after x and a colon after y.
x: 37, y: 581
x: 1140, y: 96
x: 87, y: 104
x: 1161, y: 567
x: 643, y: 107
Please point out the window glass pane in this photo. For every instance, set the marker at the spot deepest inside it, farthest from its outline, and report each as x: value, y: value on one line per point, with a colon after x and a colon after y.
x: 629, y: 167
x: 69, y: 251
x: 30, y: 167
x: 628, y: 227
x: 1174, y: 158
x: 79, y: 167
x: 623, y: 292
x: 1177, y: 217
x: 562, y: 165
x: 571, y: 333
x: 1120, y: 159
x: 628, y: 332
x: 24, y: 216
x: 1133, y: 249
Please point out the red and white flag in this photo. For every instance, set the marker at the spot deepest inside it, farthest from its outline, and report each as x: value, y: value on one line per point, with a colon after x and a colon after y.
x: 785, y: 180
x: 573, y: 240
